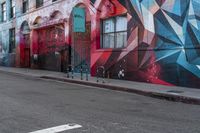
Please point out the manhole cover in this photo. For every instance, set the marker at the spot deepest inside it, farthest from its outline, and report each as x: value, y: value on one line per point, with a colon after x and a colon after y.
x: 174, y: 91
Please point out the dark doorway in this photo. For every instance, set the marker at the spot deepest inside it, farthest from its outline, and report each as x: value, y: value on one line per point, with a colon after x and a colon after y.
x: 65, y: 59
x: 27, y: 54
x: 25, y: 41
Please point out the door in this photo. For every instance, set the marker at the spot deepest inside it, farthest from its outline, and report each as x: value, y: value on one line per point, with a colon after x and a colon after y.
x: 64, y: 63
x: 81, y: 50
x: 27, y: 57
x: 27, y: 50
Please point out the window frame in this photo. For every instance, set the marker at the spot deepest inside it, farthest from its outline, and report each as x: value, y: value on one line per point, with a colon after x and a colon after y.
x: 39, y: 3
x: 25, y: 6
x: 4, y: 12
x: 102, y: 33
x: 12, y: 8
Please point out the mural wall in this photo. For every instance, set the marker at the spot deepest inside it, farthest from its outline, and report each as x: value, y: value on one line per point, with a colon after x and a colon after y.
x: 167, y: 52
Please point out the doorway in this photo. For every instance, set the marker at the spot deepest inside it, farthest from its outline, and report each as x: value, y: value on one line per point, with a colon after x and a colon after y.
x: 81, y: 45
x: 65, y: 59
x: 25, y: 30
x: 27, y: 54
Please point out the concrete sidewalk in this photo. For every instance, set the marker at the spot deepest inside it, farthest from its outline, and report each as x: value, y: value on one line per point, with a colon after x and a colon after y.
x: 172, y: 93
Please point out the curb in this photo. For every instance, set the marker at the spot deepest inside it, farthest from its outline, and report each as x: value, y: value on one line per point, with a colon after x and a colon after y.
x: 18, y: 74
x: 169, y: 97
x: 165, y: 96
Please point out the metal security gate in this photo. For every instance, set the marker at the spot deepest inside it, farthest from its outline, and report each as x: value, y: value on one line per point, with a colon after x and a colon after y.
x: 81, y: 50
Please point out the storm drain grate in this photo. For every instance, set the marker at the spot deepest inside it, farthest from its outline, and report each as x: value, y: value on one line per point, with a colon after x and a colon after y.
x: 175, y: 91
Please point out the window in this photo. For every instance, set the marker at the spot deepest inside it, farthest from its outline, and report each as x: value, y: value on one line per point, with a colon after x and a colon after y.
x: 114, y: 32
x: 12, y: 9
x: 4, y: 11
x: 25, y: 6
x: 12, y: 40
x: 39, y: 3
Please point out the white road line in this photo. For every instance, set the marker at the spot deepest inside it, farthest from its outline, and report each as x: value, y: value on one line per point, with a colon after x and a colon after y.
x: 58, y: 129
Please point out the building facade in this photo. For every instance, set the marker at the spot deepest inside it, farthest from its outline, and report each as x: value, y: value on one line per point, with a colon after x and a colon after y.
x: 155, y: 41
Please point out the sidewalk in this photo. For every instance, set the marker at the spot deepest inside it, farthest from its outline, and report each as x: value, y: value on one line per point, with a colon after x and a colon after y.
x: 172, y: 93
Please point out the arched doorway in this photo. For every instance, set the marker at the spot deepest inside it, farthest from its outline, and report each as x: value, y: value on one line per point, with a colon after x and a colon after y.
x: 80, y: 40
x: 25, y: 32
x: 50, y: 44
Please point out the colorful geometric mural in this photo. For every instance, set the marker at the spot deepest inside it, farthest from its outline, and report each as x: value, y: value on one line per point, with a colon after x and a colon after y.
x: 175, y: 26
x: 168, y: 42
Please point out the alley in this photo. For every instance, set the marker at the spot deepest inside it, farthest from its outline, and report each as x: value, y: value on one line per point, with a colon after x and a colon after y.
x: 31, y: 104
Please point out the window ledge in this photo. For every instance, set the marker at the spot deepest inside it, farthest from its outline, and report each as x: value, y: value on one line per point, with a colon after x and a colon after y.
x: 111, y: 50
x: 12, y: 18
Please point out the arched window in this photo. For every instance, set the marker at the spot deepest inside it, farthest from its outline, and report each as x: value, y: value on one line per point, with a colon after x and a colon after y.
x: 25, y: 29
x: 56, y: 15
x: 38, y: 20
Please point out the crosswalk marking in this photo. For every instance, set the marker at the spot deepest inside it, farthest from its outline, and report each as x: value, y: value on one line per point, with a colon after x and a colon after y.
x: 58, y: 129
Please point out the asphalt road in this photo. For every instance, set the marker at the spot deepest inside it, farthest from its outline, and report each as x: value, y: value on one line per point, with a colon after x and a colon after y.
x: 29, y: 104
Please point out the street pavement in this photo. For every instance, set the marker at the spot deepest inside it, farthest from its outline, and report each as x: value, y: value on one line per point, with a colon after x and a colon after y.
x: 29, y: 104
x: 172, y: 93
